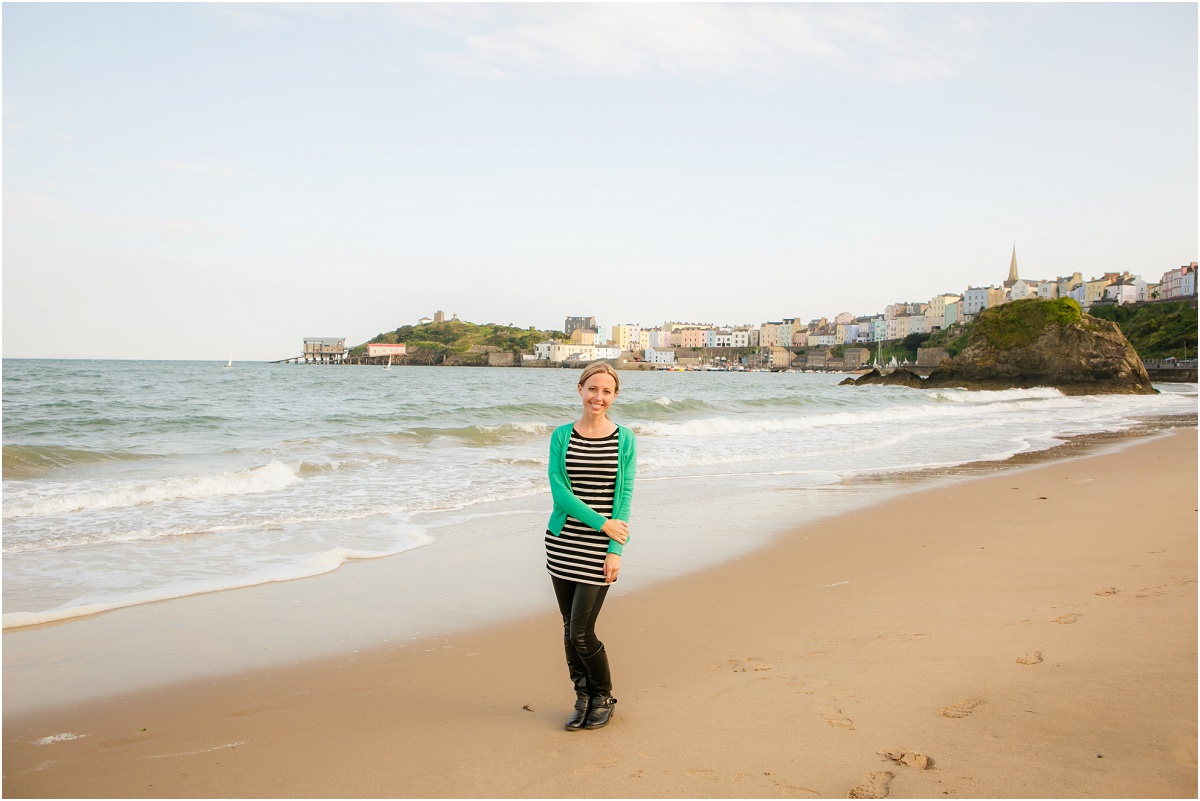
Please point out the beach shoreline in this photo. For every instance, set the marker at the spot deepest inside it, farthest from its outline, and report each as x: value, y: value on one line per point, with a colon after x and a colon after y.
x: 1046, y: 648
x: 480, y: 571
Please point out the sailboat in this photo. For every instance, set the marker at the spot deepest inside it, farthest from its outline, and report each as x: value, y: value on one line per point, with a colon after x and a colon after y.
x: 229, y: 363
x: 388, y: 366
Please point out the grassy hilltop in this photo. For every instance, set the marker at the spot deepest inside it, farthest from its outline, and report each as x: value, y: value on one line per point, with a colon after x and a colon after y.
x: 426, y: 343
x: 1156, y: 330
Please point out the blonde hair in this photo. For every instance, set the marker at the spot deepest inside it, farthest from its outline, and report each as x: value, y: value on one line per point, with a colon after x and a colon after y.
x: 600, y: 367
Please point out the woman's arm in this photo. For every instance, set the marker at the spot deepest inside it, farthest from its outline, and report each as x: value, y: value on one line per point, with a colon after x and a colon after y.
x: 624, y: 492
x: 560, y: 488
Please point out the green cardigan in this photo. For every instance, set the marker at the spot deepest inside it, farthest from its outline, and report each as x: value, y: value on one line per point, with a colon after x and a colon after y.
x: 565, y: 501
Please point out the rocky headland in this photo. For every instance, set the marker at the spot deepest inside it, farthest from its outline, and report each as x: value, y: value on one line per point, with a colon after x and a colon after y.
x: 900, y: 377
x: 1039, y: 343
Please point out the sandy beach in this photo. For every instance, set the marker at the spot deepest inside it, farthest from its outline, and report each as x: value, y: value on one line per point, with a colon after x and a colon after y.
x: 1031, y: 633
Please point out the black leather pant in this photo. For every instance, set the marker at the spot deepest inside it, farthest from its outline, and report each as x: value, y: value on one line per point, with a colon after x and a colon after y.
x: 586, y: 660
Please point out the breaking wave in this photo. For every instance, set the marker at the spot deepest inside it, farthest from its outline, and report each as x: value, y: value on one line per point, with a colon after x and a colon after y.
x: 266, y: 478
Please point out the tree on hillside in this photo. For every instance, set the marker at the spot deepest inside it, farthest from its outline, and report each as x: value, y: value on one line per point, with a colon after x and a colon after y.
x: 1156, y: 330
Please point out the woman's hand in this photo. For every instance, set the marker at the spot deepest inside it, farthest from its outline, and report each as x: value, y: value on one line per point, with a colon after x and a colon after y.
x: 612, y: 566
x: 616, y: 530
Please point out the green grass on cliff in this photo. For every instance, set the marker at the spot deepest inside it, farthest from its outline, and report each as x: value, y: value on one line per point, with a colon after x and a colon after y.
x: 458, y: 336
x: 1156, y: 330
x: 1019, y: 323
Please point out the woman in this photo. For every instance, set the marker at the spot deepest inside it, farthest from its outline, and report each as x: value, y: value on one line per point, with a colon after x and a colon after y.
x: 592, y: 464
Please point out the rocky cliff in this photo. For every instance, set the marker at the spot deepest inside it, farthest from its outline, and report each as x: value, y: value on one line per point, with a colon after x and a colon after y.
x: 1045, y: 343
x: 896, y: 378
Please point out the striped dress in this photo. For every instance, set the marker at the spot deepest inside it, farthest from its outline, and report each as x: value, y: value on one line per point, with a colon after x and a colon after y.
x: 577, y: 553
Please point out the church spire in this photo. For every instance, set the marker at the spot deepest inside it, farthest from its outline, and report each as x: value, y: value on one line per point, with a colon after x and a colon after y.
x: 1012, y: 268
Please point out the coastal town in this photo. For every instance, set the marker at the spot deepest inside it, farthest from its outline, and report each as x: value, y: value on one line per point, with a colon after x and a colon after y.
x: 914, y: 334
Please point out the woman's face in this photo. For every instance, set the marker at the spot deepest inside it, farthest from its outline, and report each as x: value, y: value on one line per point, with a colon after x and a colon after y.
x: 598, y: 393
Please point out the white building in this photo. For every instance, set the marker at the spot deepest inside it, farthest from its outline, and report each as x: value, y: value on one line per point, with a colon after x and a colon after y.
x: 571, y: 351
x: 978, y: 298
x: 1122, y: 292
x: 660, y: 355
x: 975, y: 299
x: 1023, y: 288
x: 1128, y: 289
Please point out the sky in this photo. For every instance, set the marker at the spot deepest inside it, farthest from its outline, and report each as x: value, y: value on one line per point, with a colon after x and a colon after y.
x: 213, y: 181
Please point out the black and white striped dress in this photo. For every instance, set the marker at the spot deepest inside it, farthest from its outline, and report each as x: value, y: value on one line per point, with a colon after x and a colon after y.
x: 577, y: 553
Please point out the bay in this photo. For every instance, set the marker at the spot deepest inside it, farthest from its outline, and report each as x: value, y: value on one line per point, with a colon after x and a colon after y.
x: 127, y: 482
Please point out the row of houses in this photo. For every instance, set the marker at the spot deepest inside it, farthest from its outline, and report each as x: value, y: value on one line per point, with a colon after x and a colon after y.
x: 587, y: 340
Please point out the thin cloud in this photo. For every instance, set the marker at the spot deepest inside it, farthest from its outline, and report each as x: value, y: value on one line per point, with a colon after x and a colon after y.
x: 703, y: 41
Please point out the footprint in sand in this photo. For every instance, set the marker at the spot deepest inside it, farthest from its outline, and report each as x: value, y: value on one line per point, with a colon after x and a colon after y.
x: 1031, y: 658
x: 838, y: 721
x: 909, y: 759
x: 1069, y: 617
x: 793, y: 791
x: 875, y: 785
x: 962, y: 708
x: 751, y: 664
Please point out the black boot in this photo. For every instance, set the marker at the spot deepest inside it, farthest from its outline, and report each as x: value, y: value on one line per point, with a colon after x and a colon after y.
x: 600, y: 709
x: 579, y: 678
x: 580, y: 715
x: 600, y: 702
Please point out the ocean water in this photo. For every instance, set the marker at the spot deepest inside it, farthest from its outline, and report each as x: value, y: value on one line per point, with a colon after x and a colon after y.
x: 128, y: 482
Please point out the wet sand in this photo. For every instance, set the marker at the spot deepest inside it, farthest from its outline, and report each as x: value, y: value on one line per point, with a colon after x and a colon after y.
x: 1031, y: 633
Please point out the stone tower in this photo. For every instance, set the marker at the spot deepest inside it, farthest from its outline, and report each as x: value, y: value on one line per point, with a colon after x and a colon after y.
x: 1012, y: 270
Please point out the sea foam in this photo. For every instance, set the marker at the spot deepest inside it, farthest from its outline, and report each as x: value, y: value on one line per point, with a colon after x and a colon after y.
x: 266, y: 478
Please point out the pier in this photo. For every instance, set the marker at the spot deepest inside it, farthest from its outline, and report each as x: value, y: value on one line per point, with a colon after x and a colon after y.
x: 1171, y: 371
